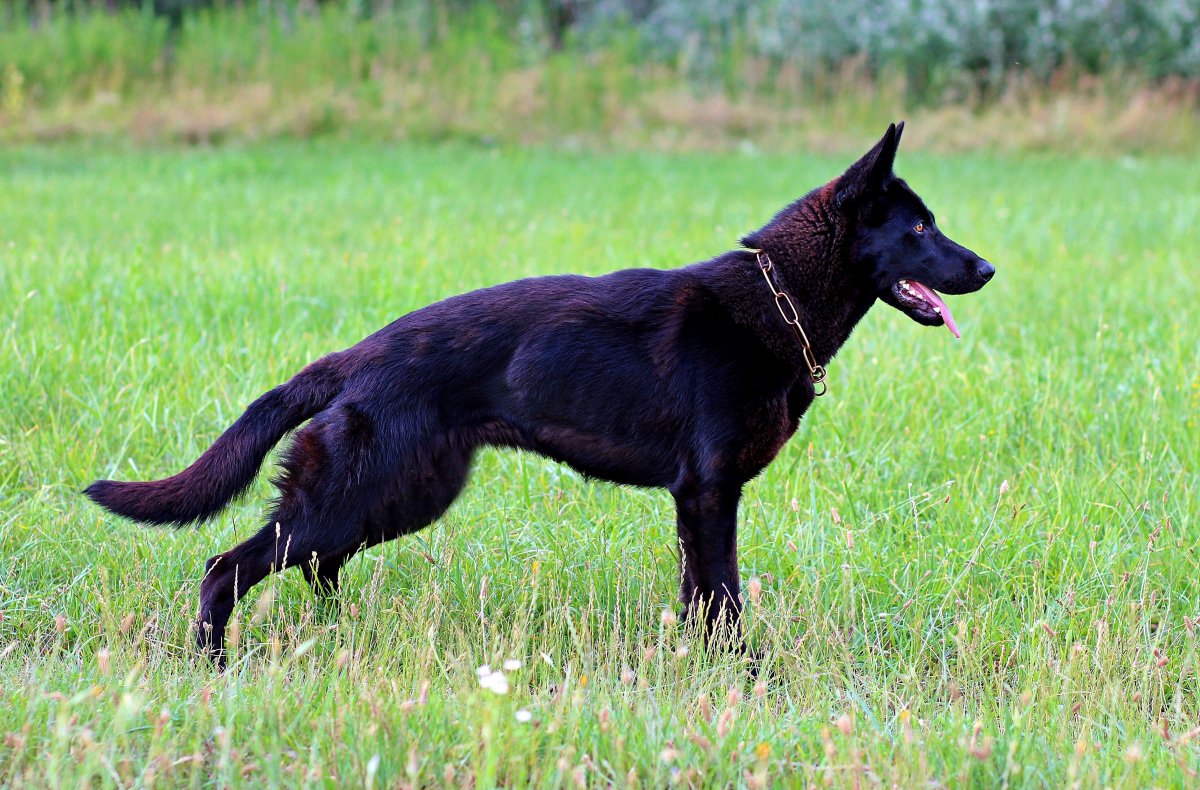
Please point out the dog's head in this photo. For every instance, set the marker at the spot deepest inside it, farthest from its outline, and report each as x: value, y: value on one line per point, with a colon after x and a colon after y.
x: 897, y: 244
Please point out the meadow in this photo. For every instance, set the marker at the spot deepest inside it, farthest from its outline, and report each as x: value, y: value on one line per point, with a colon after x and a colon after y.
x: 975, y: 564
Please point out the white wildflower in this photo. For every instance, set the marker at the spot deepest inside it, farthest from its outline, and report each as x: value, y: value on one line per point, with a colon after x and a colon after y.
x: 494, y: 682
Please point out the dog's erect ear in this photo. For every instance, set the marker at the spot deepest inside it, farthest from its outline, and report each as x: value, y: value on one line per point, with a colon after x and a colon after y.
x: 866, y: 176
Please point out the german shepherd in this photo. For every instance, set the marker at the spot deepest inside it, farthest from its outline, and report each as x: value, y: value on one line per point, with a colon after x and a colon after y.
x: 689, y: 379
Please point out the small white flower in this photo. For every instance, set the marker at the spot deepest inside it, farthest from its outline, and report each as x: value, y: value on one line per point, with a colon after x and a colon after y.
x: 512, y: 665
x: 495, y: 682
x: 523, y: 716
x: 484, y: 670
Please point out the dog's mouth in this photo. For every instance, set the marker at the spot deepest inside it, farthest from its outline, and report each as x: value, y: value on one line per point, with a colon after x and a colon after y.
x: 923, y: 304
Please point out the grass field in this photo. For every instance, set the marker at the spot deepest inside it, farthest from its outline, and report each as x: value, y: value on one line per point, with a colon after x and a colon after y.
x: 978, y: 559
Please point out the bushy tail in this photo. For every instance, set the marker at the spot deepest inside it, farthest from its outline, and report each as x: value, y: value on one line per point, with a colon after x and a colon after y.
x: 227, y: 468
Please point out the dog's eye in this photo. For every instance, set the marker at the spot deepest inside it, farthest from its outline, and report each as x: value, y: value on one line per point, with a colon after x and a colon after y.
x: 919, y: 227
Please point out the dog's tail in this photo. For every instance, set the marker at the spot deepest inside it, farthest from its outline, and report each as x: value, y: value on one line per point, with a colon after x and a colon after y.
x: 229, y: 466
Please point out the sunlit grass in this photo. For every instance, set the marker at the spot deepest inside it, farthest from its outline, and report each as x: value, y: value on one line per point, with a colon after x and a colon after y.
x: 976, y: 561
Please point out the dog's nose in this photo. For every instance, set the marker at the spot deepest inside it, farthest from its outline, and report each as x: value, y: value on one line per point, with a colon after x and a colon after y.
x: 985, y: 270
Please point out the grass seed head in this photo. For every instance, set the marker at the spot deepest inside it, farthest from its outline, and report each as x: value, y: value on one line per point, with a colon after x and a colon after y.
x: 263, y: 607
x: 725, y: 722
x: 829, y: 746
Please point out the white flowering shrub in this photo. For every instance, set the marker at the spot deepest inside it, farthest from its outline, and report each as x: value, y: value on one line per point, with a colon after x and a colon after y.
x: 925, y: 39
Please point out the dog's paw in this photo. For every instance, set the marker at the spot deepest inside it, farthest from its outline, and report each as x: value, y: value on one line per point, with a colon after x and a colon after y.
x: 753, y: 659
x: 206, y: 650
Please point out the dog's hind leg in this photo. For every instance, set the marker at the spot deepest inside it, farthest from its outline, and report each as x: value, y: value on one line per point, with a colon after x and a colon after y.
x: 431, y: 480
x: 290, y: 538
x: 227, y: 577
x: 335, y: 500
x: 323, y: 491
x: 432, y: 475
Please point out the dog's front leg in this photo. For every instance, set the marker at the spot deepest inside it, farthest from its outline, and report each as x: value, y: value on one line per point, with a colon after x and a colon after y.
x: 707, y: 525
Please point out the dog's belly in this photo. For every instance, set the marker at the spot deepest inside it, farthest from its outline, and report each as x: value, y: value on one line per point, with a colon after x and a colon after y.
x: 643, y: 461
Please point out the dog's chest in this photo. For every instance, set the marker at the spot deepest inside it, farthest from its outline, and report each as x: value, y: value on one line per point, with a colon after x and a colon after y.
x: 767, y: 427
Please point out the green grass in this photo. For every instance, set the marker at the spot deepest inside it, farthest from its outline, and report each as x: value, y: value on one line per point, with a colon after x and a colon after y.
x: 949, y: 628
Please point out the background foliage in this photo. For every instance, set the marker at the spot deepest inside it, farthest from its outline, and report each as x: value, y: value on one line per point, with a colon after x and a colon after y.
x: 536, y: 71
x: 984, y: 39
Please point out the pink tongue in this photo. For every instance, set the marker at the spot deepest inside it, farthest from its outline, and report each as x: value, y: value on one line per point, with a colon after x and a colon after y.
x: 931, y: 295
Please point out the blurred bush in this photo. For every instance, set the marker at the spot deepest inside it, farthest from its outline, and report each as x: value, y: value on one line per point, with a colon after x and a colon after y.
x: 935, y: 45
x: 933, y: 42
x: 547, y: 67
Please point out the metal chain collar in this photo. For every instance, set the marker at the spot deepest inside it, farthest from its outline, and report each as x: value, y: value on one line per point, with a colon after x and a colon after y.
x: 787, y: 309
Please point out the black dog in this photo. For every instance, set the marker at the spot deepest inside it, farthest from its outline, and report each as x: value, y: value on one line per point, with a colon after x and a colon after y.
x: 689, y: 380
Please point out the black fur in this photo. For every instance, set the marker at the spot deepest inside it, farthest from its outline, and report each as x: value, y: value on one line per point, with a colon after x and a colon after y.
x: 687, y: 380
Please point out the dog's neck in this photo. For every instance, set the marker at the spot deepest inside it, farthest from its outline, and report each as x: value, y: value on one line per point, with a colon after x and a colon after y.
x: 808, y: 245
